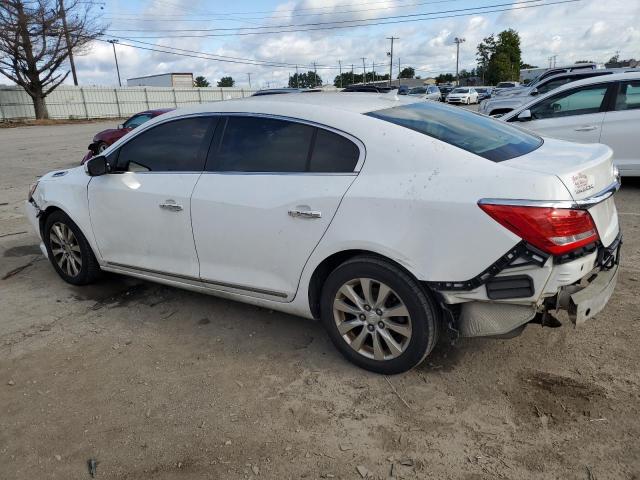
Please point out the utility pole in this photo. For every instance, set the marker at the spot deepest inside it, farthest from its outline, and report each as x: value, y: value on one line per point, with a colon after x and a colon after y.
x: 249, y: 75
x: 392, y: 38
x: 315, y: 75
x: 63, y: 14
x: 113, y: 44
x: 364, y: 71
x: 340, y: 67
x: 373, y: 67
x: 458, y: 41
x: 398, y: 71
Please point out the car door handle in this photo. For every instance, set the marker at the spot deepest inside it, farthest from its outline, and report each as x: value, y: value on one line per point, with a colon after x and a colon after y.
x: 586, y: 128
x: 171, y: 205
x: 305, y: 213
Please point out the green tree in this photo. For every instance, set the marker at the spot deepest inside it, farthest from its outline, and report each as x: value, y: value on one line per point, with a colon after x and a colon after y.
x: 584, y: 61
x: 407, y: 72
x: 200, y: 81
x: 226, y: 82
x: 445, y: 78
x: 526, y: 65
x: 499, y: 58
x: 305, y: 80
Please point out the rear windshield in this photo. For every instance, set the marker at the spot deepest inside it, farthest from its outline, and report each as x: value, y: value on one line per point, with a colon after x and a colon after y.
x: 489, y: 138
x: 461, y: 90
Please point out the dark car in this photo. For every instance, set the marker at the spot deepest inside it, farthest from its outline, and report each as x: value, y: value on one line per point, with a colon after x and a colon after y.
x: 483, y: 93
x: 280, y: 91
x: 403, y: 90
x: 444, y: 91
x: 107, y: 137
x: 367, y: 89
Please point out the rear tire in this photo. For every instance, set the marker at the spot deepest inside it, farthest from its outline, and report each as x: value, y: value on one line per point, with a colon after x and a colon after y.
x: 378, y: 316
x: 101, y: 147
x: 69, y: 251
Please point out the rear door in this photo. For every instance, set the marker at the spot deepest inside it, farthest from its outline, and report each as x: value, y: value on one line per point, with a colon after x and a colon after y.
x: 270, y: 189
x: 140, y: 213
x: 574, y: 115
x: 621, y: 126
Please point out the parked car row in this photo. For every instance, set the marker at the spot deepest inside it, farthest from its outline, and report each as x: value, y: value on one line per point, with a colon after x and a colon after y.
x: 351, y: 208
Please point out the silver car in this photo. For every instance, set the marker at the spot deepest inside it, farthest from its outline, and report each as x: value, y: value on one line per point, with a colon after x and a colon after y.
x: 428, y: 92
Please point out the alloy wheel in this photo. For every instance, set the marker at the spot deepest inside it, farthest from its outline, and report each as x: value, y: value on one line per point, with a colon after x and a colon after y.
x: 372, y: 319
x: 65, y: 249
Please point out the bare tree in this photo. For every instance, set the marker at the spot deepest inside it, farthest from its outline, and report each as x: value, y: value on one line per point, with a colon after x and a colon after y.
x: 34, y: 43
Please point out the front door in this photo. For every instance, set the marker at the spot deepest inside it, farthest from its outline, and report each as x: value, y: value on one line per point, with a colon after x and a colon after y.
x: 141, y: 213
x: 271, y: 189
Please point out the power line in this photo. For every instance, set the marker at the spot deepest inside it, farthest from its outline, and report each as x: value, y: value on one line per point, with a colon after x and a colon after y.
x: 335, y: 27
x: 172, y: 18
x: 336, y: 22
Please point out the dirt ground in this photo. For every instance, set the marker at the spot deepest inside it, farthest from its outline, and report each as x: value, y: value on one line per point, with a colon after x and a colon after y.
x: 154, y: 382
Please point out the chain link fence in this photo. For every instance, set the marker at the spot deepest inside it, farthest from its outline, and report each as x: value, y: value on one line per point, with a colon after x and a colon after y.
x: 68, y: 102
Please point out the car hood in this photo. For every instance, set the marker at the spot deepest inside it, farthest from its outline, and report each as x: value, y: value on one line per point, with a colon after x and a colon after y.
x: 107, y: 133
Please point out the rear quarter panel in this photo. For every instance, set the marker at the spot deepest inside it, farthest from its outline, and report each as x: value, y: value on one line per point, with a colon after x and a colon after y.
x: 415, y: 201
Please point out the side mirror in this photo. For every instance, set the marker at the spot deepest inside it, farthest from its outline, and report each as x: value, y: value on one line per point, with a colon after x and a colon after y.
x: 121, y: 126
x: 524, y: 116
x: 534, y: 92
x: 96, y: 166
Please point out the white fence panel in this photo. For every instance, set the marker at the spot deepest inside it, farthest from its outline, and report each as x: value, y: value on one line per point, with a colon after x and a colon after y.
x: 70, y: 102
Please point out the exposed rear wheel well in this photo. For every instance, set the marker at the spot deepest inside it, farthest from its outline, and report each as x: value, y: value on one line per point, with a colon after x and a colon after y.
x: 328, y: 265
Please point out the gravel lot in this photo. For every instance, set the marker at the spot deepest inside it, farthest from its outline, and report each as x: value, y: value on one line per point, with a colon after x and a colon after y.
x: 155, y: 382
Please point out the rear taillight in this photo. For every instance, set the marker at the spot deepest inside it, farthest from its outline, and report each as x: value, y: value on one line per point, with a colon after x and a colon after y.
x: 552, y: 230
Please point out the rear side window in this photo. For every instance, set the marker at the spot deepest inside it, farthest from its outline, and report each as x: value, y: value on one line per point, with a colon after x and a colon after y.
x: 333, y: 153
x: 256, y: 144
x: 484, y: 136
x: 628, y: 97
x: 176, y: 146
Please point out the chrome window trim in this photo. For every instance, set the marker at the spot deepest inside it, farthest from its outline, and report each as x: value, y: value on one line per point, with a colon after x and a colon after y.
x: 583, y: 204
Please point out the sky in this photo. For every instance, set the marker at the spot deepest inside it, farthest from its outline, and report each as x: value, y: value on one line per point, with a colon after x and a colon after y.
x: 576, y: 30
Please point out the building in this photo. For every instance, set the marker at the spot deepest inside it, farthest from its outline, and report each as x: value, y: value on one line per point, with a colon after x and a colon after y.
x: 181, y: 80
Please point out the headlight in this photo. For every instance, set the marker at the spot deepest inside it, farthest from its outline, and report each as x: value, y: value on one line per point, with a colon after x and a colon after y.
x: 616, y: 173
x: 32, y: 190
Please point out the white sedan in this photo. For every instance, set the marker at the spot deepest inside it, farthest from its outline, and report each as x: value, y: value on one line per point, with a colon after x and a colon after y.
x: 603, y: 109
x: 463, y: 95
x: 388, y: 219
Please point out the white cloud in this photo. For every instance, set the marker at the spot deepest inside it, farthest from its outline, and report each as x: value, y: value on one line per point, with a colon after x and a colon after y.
x: 589, y: 29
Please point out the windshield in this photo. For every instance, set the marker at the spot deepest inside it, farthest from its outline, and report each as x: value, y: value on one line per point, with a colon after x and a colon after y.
x: 460, y: 90
x: 505, y: 85
x: 481, y: 90
x: 418, y: 90
x: 491, y: 139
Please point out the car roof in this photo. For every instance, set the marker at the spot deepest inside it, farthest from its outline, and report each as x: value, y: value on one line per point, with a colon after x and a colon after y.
x: 614, y: 77
x: 156, y: 111
x: 355, y: 102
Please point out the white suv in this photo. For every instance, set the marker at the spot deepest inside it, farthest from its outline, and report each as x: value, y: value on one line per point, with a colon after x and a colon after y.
x: 389, y: 219
x: 598, y: 109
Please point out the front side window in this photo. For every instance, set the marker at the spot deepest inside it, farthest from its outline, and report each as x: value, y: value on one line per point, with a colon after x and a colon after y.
x: 628, y: 97
x: 176, y: 146
x: 580, y: 101
x: 137, y: 120
x: 489, y: 138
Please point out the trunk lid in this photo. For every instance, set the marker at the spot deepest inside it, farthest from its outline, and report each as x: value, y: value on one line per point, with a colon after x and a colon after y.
x: 585, y: 170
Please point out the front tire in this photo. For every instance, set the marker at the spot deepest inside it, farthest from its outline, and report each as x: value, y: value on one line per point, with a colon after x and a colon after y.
x: 102, y: 146
x: 378, y: 316
x: 69, y: 251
